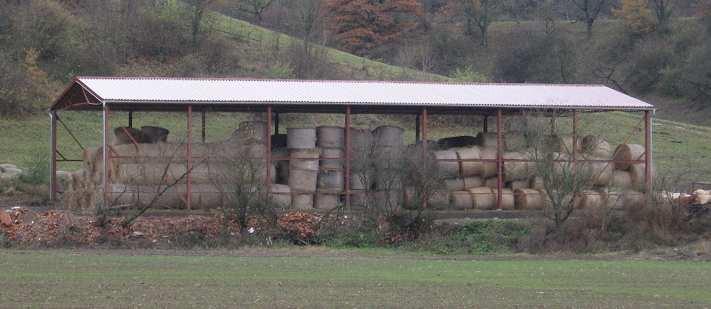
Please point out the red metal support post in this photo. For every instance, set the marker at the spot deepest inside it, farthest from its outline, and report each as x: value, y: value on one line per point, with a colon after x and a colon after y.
x: 189, y: 157
x: 499, y: 159
x: 53, y: 157
x: 485, y: 129
x: 423, y: 126
x: 268, y: 149
x: 130, y: 119
x: 648, y: 152
x: 348, y: 156
x: 106, y: 156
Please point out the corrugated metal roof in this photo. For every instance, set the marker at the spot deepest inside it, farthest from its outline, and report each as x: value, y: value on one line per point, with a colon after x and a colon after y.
x: 227, y: 91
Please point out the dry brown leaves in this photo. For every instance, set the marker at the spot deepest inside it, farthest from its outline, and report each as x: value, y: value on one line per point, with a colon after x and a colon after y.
x: 300, y: 225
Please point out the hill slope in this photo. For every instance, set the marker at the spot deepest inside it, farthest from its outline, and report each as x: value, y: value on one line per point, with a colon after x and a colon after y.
x: 679, y: 147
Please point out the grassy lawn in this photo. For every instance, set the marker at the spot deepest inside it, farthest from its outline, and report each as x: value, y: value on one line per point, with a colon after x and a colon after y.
x: 299, y: 278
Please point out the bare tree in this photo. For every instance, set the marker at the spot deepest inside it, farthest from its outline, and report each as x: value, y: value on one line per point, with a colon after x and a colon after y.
x: 588, y: 12
x: 563, y: 179
x: 198, y: 12
x: 479, y: 14
x: 663, y: 12
x: 255, y: 8
x: 239, y: 177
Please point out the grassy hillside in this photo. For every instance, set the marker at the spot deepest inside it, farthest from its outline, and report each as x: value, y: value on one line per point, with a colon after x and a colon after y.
x: 679, y: 148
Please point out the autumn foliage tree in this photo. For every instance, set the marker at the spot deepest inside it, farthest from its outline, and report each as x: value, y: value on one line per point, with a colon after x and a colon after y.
x: 636, y: 16
x: 360, y: 26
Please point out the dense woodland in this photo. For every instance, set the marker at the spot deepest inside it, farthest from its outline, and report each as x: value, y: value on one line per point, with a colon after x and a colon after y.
x: 659, y: 49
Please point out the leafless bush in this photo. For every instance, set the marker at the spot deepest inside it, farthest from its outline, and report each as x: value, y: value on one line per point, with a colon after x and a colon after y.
x: 562, y: 178
x: 240, y: 180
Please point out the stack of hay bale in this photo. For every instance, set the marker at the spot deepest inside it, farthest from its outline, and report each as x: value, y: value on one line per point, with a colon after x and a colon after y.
x: 303, y: 166
x: 330, y: 141
x: 473, y: 184
x: 388, y: 154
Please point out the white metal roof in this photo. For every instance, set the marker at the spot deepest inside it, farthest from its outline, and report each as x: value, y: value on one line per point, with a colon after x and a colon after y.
x: 226, y: 91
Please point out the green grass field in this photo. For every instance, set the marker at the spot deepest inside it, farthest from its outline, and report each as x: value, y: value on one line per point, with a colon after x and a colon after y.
x: 314, y: 277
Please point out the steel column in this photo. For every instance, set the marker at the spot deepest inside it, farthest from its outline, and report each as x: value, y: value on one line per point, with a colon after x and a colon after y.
x: 348, y: 156
x: 486, y: 124
x: 53, y: 157
x: 648, y: 152
x: 499, y: 160
x: 189, y: 157
x: 423, y: 125
x: 106, y: 156
x: 268, y: 154
x: 130, y: 119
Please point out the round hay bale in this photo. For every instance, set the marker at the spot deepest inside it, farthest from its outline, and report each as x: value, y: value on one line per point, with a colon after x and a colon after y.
x: 637, y: 175
x: 359, y: 199
x: 483, y: 198
x: 567, y: 146
x: 596, y: 146
x: 456, y: 141
x: 487, y: 139
x: 514, y: 170
x: 491, y: 183
x: 438, y: 200
x: 388, y: 136
x: 454, y: 184
x: 461, y: 199
x: 126, y: 135
x: 281, y: 166
x: 613, y: 199
x: 330, y: 137
x: 154, y: 135
x: 335, y: 160
x: 302, y: 201
x: 473, y: 182
x: 590, y: 200
x: 304, y: 159
x: 390, y: 200
x: 621, y: 179
x: 359, y: 181
x: 327, y: 201
x: 488, y: 168
x: 251, y: 132
x: 331, y: 180
x: 301, y: 138
x: 361, y: 139
x: 601, y: 173
x: 702, y: 197
x: 386, y: 157
x: 280, y: 195
x: 633, y: 200
x: 518, y: 184
x: 470, y: 168
x: 536, y: 183
x: 507, y: 199
x: 528, y: 199
x: 515, y: 141
x: 625, y: 153
x: 303, y: 180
